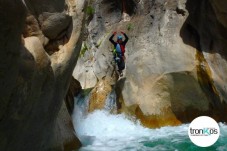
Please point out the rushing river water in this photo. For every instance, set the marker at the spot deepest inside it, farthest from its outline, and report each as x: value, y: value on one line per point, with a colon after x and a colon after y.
x: 102, y: 131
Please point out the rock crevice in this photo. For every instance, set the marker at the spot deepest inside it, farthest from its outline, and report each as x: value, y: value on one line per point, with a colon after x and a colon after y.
x: 175, y: 59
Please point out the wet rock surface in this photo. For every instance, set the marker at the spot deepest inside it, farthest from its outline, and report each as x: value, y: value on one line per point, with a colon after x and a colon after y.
x: 175, y: 63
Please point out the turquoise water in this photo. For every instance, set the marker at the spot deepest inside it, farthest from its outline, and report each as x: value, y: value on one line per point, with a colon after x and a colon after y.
x: 101, y: 131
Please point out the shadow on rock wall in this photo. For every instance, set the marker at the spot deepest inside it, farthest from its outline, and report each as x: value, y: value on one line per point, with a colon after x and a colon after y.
x: 129, y: 6
x: 203, y: 31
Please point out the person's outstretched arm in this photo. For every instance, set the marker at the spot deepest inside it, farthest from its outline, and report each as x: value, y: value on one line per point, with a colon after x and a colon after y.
x: 111, y: 38
x: 126, y: 37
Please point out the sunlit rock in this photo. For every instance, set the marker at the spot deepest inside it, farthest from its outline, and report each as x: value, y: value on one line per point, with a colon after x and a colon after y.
x: 99, y: 95
x: 175, y: 62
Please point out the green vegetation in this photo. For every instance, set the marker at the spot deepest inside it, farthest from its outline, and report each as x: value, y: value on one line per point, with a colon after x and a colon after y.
x: 99, y: 44
x: 85, y: 92
x: 83, y: 50
x: 90, y: 10
x: 129, y: 26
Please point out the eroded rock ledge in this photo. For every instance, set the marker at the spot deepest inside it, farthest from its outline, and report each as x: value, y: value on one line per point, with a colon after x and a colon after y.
x: 40, y: 42
x: 175, y: 59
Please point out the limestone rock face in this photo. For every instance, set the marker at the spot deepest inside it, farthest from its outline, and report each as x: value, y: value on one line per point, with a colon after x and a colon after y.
x: 168, y: 78
x: 38, y: 7
x: 97, y: 61
x: 74, y: 90
x: 9, y: 62
x: 34, y: 83
x: 64, y: 127
x: 211, y: 41
x: 175, y: 62
x: 99, y: 95
x: 87, y: 78
x: 219, y: 8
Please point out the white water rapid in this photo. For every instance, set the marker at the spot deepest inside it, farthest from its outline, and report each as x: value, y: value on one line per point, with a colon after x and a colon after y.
x: 102, y: 131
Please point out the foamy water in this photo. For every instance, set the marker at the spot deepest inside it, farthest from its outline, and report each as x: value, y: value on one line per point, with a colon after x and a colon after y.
x: 102, y: 131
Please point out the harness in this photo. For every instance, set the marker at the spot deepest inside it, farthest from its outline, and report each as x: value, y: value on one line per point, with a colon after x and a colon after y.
x: 119, y: 50
x: 118, y: 53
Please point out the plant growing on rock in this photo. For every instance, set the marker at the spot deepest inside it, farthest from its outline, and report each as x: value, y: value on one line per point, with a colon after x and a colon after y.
x: 129, y: 26
x: 90, y: 11
x: 83, y: 50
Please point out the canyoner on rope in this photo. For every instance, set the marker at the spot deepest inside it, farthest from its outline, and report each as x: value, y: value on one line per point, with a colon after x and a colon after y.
x: 119, y: 50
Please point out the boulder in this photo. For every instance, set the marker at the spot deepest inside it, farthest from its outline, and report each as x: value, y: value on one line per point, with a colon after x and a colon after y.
x: 87, y: 79
x: 32, y: 29
x: 54, y: 25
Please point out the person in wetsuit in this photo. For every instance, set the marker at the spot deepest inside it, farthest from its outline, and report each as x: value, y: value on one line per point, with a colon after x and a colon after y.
x: 119, y: 50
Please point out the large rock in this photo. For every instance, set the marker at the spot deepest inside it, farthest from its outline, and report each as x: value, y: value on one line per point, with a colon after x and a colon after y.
x: 66, y: 132
x: 167, y: 78
x: 12, y: 15
x: 85, y: 74
x: 210, y: 40
x: 175, y: 63
x: 54, y: 25
x: 32, y: 29
x: 99, y: 95
x: 34, y: 84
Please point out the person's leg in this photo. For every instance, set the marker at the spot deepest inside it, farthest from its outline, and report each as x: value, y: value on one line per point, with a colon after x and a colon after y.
x: 121, y: 67
x: 122, y: 64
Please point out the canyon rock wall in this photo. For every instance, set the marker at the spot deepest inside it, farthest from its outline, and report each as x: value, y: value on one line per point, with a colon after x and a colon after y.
x: 36, y: 65
x: 175, y: 58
